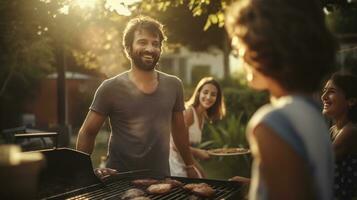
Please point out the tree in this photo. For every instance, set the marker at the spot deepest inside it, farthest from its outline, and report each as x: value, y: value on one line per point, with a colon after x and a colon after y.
x: 38, y: 37
x: 25, y: 56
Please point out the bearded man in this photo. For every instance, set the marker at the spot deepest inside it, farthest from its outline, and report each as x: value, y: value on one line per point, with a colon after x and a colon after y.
x: 144, y: 106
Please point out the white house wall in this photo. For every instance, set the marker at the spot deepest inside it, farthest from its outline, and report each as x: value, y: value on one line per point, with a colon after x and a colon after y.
x: 212, y: 58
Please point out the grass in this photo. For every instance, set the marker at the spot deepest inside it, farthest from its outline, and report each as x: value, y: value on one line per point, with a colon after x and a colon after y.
x: 100, y: 148
x: 226, y: 167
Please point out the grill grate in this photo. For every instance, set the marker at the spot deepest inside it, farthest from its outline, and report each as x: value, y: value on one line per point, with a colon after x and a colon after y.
x: 69, y: 175
x: 114, y: 188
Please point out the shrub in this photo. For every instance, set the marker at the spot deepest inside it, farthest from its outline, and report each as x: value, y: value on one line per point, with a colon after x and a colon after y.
x: 226, y: 133
x: 243, y: 100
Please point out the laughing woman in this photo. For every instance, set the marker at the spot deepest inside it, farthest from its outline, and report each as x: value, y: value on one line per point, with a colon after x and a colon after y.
x: 206, y: 104
x: 339, y: 100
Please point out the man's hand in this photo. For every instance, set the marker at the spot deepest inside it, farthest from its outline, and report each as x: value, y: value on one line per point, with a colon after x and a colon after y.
x: 104, y: 172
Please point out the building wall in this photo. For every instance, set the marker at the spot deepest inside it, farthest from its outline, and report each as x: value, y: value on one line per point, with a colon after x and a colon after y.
x: 174, y: 62
x: 79, y: 95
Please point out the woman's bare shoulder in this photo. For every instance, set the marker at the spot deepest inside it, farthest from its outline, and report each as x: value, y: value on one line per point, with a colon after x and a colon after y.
x: 350, y: 128
x: 188, y: 114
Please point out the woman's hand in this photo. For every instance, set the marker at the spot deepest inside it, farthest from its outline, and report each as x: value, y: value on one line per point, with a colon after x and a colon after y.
x: 200, y: 154
x: 240, y: 179
x: 104, y: 172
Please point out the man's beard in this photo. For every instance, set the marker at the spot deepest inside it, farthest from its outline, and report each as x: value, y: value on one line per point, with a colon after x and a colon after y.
x: 139, y: 62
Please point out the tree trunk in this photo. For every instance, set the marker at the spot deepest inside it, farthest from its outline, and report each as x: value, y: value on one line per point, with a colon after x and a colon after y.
x: 64, y: 138
x: 226, y: 52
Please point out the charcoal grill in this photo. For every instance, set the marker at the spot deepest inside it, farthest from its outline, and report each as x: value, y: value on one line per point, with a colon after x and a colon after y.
x: 69, y: 175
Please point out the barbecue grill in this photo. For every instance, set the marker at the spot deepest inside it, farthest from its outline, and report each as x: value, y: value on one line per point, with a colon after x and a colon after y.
x: 69, y: 175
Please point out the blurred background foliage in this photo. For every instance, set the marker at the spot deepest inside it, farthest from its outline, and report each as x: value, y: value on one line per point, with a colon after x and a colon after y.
x: 230, y: 131
x: 38, y: 37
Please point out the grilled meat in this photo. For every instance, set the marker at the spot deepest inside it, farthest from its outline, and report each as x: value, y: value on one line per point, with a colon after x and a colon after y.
x: 132, y: 193
x: 140, y: 198
x: 144, y: 182
x: 203, y: 191
x: 200, y: 189
x: 160, y: 188
x: 190, y: 186
x: 174, y: 183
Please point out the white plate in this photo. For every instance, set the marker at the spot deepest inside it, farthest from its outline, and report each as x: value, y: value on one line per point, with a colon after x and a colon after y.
x: 231, y: 151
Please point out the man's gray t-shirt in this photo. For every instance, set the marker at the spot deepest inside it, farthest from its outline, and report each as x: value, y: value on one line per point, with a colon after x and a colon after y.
x: 140, y: 123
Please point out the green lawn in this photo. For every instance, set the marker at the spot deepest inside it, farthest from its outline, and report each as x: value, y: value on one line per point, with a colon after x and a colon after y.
x: 100, y: 147
x: 227, y: 167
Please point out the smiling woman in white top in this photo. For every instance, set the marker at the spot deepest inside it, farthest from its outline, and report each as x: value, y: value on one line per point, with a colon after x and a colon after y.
x: 206, y: 104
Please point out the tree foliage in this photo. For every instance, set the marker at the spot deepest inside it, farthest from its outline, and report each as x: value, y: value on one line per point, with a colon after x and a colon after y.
x: 213, y: 10
x: 189, y: 22
x: 184, y: 29
x: 343, y: 18
x: 25, y: 55
x: 37, y: 35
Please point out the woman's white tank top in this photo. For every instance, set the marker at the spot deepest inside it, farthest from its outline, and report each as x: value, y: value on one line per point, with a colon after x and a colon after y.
x: 195, y: 130
x: 177, y: 166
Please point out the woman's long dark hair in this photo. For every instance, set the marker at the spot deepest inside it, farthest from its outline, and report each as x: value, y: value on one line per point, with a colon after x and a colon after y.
x: 347, y: 83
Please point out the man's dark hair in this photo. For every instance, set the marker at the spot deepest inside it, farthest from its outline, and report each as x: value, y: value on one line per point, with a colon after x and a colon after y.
x: 286, y: 40
x: 138, y: 23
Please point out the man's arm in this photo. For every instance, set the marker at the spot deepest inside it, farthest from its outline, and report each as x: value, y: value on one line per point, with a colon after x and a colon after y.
x: 89, y: 131
x: 180, y: 137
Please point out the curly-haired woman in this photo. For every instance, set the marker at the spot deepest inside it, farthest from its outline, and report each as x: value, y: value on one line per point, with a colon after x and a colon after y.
x: 286, y: 49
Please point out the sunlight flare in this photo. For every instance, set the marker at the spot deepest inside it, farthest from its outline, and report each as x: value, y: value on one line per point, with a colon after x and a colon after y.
x: 85, y: 3
x: 120, y: 6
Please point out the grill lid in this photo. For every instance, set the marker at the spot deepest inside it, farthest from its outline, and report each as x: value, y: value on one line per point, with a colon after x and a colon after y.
x: 66, y: 169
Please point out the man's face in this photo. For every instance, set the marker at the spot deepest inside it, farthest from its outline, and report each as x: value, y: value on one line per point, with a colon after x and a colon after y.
x: 146, y: 50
